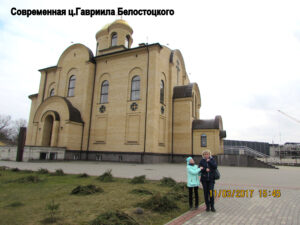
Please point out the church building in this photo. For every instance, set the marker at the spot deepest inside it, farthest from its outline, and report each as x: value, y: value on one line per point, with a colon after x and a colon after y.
x: 121, y: 104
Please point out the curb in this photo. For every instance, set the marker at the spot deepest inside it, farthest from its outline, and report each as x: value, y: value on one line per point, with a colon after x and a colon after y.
x: 188, y: 215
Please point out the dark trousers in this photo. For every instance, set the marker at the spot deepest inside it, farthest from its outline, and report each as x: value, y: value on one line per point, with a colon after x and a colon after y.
x: 208, y: 189
x: 191, y: 196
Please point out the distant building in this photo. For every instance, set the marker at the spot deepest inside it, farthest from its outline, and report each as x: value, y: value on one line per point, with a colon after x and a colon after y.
x: 288, y: 150
x: 246, y: 147
x: 274, y: 148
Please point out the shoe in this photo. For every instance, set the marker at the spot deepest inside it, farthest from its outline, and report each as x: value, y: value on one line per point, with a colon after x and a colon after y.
x: 207, y: 209
x: 213, y: 209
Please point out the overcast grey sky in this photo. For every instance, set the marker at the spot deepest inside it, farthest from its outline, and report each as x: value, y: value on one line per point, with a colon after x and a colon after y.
x: 244, y: 55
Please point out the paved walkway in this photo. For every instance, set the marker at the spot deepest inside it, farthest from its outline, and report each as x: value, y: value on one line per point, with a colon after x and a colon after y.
x: 230, y: 210
x: 252, y: 210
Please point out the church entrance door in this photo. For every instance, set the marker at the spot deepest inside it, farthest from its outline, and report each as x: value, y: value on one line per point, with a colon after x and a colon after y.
x: 47, y: 133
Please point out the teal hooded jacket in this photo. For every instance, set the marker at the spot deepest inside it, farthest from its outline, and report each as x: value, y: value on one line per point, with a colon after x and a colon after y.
x: 193, y: 173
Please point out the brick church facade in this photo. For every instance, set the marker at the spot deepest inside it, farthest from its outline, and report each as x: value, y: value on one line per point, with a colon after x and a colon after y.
x: 123, y: 104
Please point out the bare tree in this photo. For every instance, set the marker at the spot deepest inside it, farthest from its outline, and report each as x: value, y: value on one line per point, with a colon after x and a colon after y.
x: 9, y: 129
x: 17, y: 124
x: 4, y: 122
x: 5, y: 129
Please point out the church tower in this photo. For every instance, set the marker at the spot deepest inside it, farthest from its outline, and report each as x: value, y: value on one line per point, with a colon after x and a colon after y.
x: 114, y: 37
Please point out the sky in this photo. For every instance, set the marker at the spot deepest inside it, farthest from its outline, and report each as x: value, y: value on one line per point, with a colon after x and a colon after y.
x: 244, y: 55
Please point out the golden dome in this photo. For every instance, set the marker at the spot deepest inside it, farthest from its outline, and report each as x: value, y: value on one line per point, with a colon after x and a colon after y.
x: 116, y: 22
x: 106, y: 26
x: 120, y: 21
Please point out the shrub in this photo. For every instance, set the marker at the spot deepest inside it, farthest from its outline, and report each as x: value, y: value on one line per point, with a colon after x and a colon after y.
x: 138, y: 180
x: 176, y: 196
x: 114, y: 218
x: 52, y: 208
x: 58, y: 172
x: 86, y: 190
x: 106, y: 177
x: 43, y: 171
x: 179, y: 192
x: 168, y: 181
x: 141, y: 192
x: 83, y: 175
x: 15, y: 204
x: 15, y: 169
x: 29, y: 179
x: 180, y: 187
x: 159, y: 203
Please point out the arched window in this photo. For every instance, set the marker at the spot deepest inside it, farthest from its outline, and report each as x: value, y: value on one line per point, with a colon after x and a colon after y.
x: 135, y: 88
x: 193, y: 105
x: 52, y: 92
x: 203, y: 140
x: 162, y: 92
x: 114, y: 39
x: 104, y: 92
x: 71, y: 88
x: 127, y: 41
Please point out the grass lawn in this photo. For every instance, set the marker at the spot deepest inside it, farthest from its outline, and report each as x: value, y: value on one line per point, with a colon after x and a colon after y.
x: 24, y: 201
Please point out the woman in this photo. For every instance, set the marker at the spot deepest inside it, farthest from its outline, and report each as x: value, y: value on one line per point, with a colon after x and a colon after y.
x: 192, y: 181
x: 208, y: 165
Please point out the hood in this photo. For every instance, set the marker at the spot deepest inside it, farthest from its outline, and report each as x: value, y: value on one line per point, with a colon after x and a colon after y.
x: 188, y: 160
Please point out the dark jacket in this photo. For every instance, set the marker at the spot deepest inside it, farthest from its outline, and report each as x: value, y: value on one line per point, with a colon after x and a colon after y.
x: 212, y: 165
